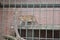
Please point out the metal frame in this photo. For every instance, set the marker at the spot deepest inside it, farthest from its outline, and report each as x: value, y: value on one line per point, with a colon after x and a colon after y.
x: 30, y: 5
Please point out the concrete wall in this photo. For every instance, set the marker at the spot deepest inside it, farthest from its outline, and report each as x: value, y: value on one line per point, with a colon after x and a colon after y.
x: 40, y: 15
x: 4, y: 28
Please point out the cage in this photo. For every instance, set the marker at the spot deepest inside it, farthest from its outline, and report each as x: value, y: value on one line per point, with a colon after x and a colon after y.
x: 29, y: 19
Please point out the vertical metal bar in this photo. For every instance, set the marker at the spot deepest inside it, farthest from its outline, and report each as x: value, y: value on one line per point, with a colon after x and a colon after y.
x: 46, y: 18
x: 33, y: 23
x: 9, y: 18
x: 2, y: 19
x: 26, y: 28
x: 3, y: 16
x: 59, y: 32
x: 53, y: 22
x: 59, y: 22
x: 39, y: 20
x: 8, y: 25
x: 26, y: 23
x: 20, y: 19
x: 59, y: 25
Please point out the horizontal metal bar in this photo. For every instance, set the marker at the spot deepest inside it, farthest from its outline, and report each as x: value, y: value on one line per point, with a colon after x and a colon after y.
x: 30, y: 5
x: 37, y: 26
x: 40, y: 38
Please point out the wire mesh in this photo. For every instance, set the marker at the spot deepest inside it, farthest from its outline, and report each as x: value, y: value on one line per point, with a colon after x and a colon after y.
x: 31, y: 21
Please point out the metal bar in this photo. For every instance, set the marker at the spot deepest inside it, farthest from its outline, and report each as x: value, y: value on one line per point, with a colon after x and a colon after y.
x: 36, y: 11
x: 46, y: 18
x: 59, y: 24
x: 41, y: 38
x: 26, y: 25
x: 8, y: 19
x: 2, y: 28
x: 3, y: 20
x: 8, y: 25
x: 53, y: 22
x: 20, y: 19
x: 30, y: 5
x: 59, y: 32
x: 40, y: 21
x: 33, y: 23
